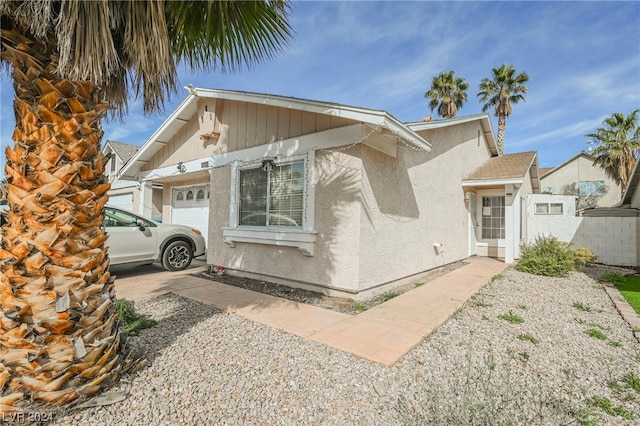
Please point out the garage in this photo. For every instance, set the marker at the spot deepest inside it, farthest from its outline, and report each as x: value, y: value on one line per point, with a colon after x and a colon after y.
x: 190, y: 206
x: 123, y: 201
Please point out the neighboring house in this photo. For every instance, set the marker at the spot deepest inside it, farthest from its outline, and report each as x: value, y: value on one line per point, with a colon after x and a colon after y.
x: 580, y: 177
x: 123, y: 194
x: 343, y: 200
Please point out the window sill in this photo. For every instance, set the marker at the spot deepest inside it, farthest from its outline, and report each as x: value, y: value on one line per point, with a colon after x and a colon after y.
x: 301, y: 239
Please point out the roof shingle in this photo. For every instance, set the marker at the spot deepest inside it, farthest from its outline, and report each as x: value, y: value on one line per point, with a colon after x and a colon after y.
x: 124, y: 150
x: 509, y: 166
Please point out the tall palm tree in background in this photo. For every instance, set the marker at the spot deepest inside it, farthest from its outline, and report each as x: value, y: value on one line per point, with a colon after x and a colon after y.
x: 447, y: 93
x: 619, y: 146
x: 501, y: 91
x: 72, y: 62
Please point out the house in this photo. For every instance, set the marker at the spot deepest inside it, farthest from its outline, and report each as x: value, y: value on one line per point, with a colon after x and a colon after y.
x: 343, y: 200
x: 580, y: 177
x: 123, y: 194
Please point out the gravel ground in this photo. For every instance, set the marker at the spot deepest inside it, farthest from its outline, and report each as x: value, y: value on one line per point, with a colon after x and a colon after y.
x: 209, y: 367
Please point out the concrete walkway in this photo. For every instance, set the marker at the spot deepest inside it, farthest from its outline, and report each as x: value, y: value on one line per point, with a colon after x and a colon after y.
x: 382, y: 334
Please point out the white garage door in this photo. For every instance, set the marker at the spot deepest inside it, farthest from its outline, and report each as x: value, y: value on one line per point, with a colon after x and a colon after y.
x: 124, y: 201
x: 191, y: 207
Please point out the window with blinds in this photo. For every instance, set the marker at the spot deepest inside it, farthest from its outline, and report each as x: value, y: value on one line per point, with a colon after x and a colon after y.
x: 272, y: 198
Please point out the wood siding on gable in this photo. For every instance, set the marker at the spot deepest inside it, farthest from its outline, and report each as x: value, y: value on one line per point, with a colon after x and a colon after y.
x: 241, y: 125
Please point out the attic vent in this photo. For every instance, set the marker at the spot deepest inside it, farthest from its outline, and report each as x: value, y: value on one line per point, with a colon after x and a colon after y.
x: 204, y: 165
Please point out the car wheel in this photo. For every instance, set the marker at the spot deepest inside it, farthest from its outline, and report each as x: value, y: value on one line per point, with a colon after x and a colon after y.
x: 177, y: 256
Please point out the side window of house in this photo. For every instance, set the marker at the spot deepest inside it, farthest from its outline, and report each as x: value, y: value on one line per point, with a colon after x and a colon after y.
x: 272, y: 198
x: 591, y: 187
x: 549, y: 208
x: 493, y: 217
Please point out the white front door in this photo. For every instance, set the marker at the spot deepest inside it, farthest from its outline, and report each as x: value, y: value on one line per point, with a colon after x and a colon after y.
x: 473, y: 224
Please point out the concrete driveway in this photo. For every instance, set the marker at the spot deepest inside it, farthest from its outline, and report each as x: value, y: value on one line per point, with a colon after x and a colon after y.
x: 148, y: 281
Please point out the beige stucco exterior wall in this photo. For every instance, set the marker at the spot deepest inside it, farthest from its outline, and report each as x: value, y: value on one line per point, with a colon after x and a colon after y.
x: 564, y: 181
x: 412, y: 201
x: 337, y: 211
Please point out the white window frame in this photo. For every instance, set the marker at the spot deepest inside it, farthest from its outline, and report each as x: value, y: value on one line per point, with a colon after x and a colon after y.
x: 303, y: 238
x: 548, y: 213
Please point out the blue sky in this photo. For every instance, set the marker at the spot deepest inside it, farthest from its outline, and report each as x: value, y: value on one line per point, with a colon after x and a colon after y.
x: 583, y: 59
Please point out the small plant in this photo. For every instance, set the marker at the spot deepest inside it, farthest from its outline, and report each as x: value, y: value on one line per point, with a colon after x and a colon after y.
x: 601, y: 327
x: 613, y: 278
x: 496, y: 277
x: 358, y: 307
x: 585, y: 417
x: 605, y: 405
x: 529, y: 338
x: 547, y: 256
x: 133, y: 322
x: 478, y: 303
x: 581, y: 307
x: 596, y: 334
x: 387, y: 296
x: 419, y: 284
x: 615, y: 343
x: 632, y: 381
x: 456, y: 313
x: 522, y: 307
x: 511, y: 317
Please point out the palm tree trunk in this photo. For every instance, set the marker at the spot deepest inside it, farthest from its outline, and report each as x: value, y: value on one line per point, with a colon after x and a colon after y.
x: 502, y: 123
x: 59, y: 331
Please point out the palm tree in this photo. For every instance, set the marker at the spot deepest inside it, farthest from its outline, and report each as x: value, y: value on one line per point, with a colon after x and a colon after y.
x: 619, y: 146
x: 503, y: 90
x: 447, y: 93
x: 72, y: 62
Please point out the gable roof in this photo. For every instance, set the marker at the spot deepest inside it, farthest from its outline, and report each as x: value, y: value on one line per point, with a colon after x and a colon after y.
x: 559, y: 166
x: 508, y: 168
x: 632, y: 185
x: 183, y: 113
x: 123, y: 150
x: 485, y: 121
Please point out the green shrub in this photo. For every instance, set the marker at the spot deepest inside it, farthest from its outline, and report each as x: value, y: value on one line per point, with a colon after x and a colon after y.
x: 548, y: 256
x: 584, y: 256
x: 133, y: 322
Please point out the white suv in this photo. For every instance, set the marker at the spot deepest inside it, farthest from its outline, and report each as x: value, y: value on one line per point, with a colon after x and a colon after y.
x: 136, y: 240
